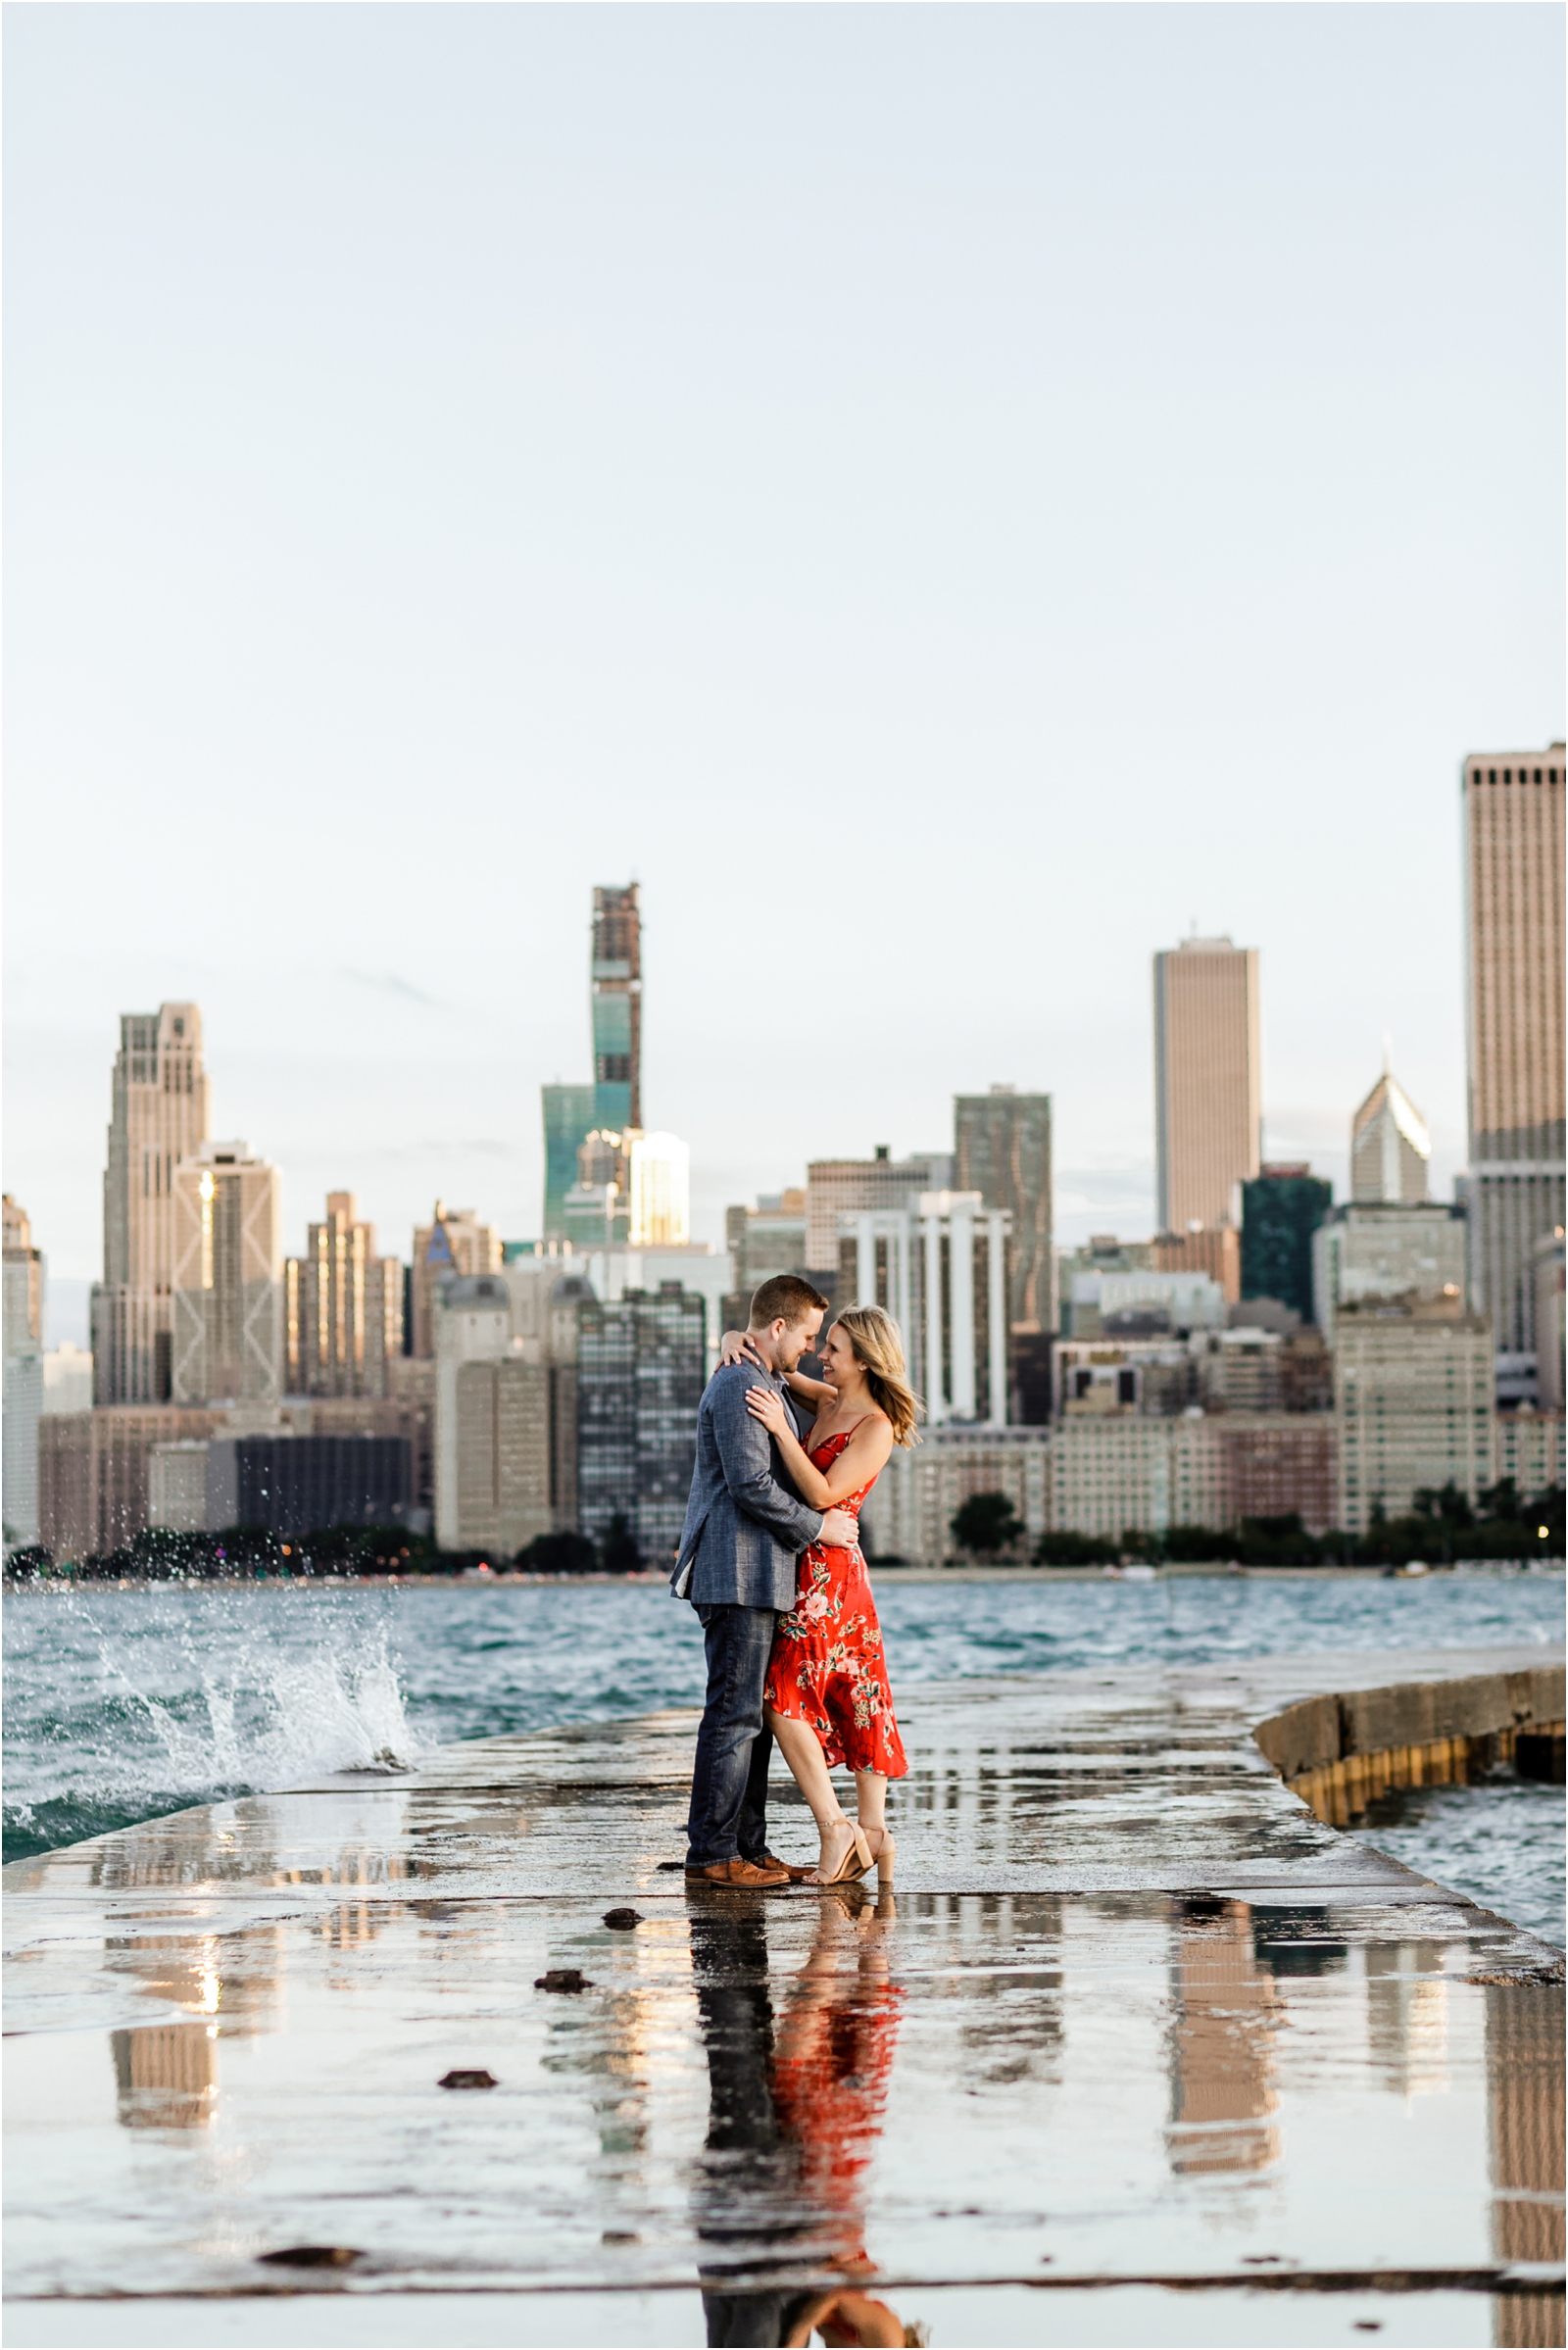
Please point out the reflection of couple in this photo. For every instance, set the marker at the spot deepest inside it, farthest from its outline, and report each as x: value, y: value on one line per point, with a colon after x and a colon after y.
x: 795, y: 2108
x: 783, y: 1465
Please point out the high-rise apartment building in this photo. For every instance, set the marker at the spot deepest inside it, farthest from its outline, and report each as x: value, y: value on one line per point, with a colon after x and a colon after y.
x: 24, y: 1376
x: 1513, y: 825
x: 617, y: 1008
x: 1282, y: 1206
x: 909, y: 1512
x: 1207, y: 1081
x: 505, y: 1405
x: 453, y: 1241
x: 1413, y: 1396
x: 1390, y: 1146
x: 940, y: 1267
x: 836, y: 1188
x: 158, y: 1118
x: 641, y: 1367
x: 228, y: 1235
x: 1366, y: 1254
x: 342, y: 1307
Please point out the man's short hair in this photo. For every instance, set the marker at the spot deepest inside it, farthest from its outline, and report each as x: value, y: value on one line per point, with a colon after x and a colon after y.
x: 785, y: 1298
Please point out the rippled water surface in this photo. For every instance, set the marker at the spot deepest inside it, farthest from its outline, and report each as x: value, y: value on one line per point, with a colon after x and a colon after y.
x: 123, y: 1704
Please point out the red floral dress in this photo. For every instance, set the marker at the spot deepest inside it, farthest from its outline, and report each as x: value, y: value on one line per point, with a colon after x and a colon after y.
x: 827, y: 1668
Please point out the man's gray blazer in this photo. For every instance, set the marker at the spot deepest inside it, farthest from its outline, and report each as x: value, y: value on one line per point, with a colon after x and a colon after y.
x: 745, y: 1525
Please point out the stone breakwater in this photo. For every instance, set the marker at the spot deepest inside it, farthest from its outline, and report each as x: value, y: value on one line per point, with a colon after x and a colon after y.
x: 1138, y: 2044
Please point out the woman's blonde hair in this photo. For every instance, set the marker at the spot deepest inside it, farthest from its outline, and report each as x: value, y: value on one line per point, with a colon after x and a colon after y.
x: 879, y: 1351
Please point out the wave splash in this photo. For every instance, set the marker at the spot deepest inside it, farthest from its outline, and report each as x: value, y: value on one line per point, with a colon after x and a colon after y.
x: 117, y: 1715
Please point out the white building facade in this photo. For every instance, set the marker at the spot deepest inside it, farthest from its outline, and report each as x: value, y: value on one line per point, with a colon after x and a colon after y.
x: 939, y: 1266
x: 228, y: 1228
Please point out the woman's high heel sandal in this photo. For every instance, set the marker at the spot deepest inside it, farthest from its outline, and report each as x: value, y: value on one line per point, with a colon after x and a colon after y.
x: 855, y: 1863
x: 883, y: 1858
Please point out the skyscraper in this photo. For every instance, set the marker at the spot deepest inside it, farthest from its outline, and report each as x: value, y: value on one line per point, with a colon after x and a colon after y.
x: 24, y: 1376
x: 1002, y: 1142
x: 1513, y: 827
x: 453, y: 1241
x: 227, y: 1319
x: 1390, y: 1146
x: 1002, y: 1149
x: 1207, y: 1081
x: 342, y: 1307
x: 159, y: 1118
x: 617, y: 1010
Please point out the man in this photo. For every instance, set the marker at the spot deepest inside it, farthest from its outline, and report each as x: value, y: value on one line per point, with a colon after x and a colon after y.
x: 745, y: 1525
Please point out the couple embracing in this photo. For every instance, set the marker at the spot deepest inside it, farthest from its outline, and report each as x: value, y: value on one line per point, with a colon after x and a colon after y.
x: 770, y: 1559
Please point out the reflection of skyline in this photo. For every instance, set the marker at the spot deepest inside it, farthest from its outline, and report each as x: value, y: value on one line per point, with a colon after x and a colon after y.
x: 165, y: 2075
x: 1407, y: 2017
x: 1222, y: 2044
x: 796, y: 2099
x: 1525, y: 2127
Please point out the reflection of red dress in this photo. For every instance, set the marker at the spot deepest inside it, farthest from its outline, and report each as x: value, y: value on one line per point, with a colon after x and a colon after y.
x: 830, y: 2092
x: 827, y: 1668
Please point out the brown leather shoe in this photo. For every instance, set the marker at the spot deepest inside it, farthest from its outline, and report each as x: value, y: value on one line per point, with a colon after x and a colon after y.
x: 796, y: 1876
x: 741, y: 1873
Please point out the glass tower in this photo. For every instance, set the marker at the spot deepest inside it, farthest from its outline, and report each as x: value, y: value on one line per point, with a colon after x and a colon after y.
x: 568, y: 1122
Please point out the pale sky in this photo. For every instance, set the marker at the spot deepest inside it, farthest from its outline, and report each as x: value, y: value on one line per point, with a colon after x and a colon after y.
x: 946, y: 497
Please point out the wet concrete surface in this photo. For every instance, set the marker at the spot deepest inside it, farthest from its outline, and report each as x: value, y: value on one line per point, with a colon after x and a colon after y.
x: 1137, y: 2051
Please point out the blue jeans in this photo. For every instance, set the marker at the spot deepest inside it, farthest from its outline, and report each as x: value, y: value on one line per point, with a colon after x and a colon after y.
x: 728, y: 1818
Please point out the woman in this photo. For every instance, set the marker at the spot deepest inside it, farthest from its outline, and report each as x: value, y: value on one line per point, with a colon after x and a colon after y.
x: 826, y: 1698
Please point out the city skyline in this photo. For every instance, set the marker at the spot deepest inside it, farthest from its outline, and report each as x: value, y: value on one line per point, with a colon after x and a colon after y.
x: 1131, y: 1212
x: 1117, y: 481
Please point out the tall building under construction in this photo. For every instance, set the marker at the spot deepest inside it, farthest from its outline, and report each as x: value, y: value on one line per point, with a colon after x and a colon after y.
x: 618, y: 1008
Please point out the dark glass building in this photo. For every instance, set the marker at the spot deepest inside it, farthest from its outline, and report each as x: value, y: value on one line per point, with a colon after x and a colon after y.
x: 641, y: 1369
x: 304, y: 1483
x: 1002, y: 1149
x: 1281, y: 1209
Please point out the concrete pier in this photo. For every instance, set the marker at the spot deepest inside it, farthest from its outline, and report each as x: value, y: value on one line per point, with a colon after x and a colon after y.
x: 1138, y: 2051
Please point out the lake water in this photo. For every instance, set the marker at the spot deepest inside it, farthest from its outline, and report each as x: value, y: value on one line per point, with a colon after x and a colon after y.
x: 123, y: 1704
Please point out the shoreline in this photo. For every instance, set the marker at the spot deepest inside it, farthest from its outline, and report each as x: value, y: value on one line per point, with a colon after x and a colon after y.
x: 473, y: 1580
